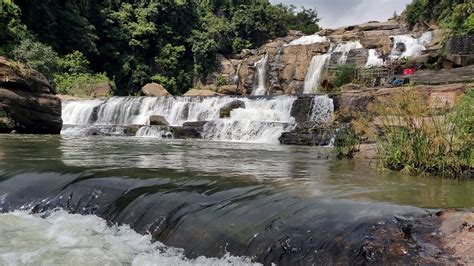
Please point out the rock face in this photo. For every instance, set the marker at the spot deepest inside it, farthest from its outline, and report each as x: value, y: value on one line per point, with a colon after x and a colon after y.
x: 158, y: 120
x: 357, y: 101
x: 27, y: 101
x: 155, y: 90
x: 307, y: 134
x: 287, y: 64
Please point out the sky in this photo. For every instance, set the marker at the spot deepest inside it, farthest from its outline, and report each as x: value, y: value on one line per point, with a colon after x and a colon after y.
x: 337, y: 13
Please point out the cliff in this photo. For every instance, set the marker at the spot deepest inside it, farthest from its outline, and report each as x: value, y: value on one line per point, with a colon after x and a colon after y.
x: 27, y: 101
x: 290, y: 65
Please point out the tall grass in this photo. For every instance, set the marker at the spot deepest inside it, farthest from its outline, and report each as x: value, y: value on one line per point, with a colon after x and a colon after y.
x: 415, y: 138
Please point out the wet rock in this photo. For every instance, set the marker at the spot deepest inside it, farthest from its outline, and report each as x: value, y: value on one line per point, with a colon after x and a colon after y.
x: 131, y: 130
x: 301, y: 108
x: 225, y: 111
x: 197, y: 126
x: 307, y: 134
x: 155, y: 90
x: 158, y: 120
x: 185, y: 132
x: 27, y: 101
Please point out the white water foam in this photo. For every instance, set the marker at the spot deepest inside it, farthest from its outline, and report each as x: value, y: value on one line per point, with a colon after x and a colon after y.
x: 322, y: 109
x: 261, y: 66
x: 73, y: 239
x: 311, y: 82
x: 374, y: 59
x: 414, y: 46
x: 262, y: 119
x: 309, y: 39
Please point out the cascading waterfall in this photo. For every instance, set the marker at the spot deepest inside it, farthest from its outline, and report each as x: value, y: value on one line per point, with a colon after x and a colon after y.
x: 262, y: 119
x: 345, y: 48
x: 318, y: 62
x: 374, y: 59
x: 322, y: 109
x: 311, y: 82
x: 261, y: 66
x: 413, y: 46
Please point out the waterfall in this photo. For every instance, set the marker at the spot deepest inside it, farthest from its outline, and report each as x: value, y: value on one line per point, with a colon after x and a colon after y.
x: 262, y: 119
x: 318, y: 62
x: 413, y: 46
x: 322, y: 109
x: 311, y: 82
x: 374, y: 59
x: 309, y: 39
x: 261, y: 66
x: 345, y: 48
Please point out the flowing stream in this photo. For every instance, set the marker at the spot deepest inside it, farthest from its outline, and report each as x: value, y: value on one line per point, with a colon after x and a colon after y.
x: 141, y: 201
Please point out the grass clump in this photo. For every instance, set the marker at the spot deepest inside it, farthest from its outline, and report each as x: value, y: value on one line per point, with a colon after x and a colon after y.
x: 418, y: 139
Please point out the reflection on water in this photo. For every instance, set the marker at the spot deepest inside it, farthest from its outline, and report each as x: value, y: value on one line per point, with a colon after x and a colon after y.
x: 305, y: 171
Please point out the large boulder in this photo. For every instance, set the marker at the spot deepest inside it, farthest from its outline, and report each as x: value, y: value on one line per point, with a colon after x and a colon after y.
x: 225, y: 111
x: 231, y: 90
x: 158, y: 120
x: 27, y: 101
x: 196, y: 92
x: 155, y: 90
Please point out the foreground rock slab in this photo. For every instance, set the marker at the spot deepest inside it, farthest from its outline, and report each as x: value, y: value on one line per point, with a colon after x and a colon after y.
x: 27, y: 101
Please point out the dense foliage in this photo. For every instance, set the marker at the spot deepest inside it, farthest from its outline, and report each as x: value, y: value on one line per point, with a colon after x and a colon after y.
x: 455, y: 15
x: 173, y: 42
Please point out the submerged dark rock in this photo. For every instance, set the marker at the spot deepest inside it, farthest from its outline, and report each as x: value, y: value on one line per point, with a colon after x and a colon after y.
x: 27, y: 101
x: 308, y: 134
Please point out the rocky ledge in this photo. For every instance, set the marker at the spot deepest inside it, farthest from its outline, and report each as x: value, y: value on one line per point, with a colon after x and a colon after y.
x: 27, y: 101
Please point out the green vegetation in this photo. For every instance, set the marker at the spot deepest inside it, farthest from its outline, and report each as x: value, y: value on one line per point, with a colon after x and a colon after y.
x: 455, y: 15
x: 134, y: 42
x: 418, y: 139
x: 345, y: 74
x: 346, y: 143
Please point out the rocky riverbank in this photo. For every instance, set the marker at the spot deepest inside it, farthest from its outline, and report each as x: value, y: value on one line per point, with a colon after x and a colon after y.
x: 27, y: 101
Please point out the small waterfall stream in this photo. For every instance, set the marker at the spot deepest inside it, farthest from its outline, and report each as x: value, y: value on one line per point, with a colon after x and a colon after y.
x: 311, y: 83
x: 261, y: 76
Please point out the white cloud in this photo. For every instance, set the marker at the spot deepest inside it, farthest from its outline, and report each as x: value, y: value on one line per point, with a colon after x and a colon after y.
x: 336, y: 13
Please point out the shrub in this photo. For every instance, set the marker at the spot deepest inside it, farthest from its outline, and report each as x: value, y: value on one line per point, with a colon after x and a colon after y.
x: 37, y: 56
x: 78, y: 84
x: 417, y: 139
x: 346, y: 142
x: 345, y: 74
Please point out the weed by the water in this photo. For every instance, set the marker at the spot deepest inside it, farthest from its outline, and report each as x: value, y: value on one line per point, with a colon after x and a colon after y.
x: 417, y: 138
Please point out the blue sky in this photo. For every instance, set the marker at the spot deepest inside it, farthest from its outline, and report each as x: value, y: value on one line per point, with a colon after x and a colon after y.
x: 336, y: 13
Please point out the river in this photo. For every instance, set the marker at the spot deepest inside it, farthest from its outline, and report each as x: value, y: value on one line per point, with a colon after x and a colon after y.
x: 135, y: 200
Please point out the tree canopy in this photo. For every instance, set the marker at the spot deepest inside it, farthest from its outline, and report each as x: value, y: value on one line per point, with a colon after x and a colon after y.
x: 173, y: 42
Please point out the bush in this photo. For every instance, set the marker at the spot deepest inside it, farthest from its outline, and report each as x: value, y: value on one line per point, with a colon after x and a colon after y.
x: 345, y: 74
x: 78, y: 84
x: 37, y: 56
x: 346, y: 142
x: 417, y: 139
